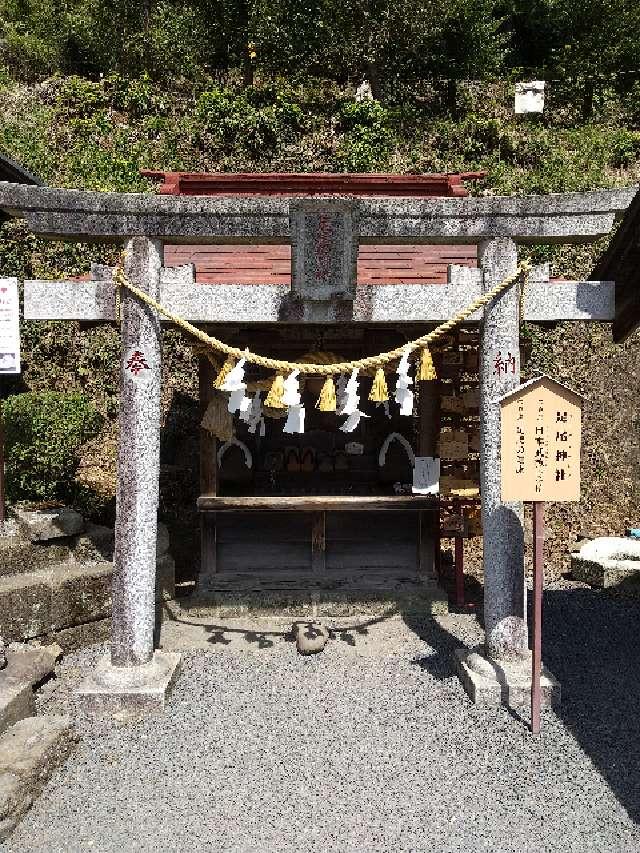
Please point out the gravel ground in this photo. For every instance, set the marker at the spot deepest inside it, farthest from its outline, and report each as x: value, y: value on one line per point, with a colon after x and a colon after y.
x: 371, y: 746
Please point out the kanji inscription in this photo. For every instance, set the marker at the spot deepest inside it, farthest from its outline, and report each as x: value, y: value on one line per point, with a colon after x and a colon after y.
x: 324, y: 244
x: 541, y: 424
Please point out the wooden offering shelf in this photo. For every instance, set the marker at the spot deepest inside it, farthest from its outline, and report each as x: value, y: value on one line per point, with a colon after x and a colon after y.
x: 317, y: 503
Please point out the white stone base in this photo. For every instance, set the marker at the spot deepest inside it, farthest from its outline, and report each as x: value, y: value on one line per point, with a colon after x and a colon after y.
x: 490, y: 682
x: 129, y: 691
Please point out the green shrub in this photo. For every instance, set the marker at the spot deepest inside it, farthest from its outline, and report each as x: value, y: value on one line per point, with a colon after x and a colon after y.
x: 43, y: 435
x: 245, y: 121
x: 367, y: 141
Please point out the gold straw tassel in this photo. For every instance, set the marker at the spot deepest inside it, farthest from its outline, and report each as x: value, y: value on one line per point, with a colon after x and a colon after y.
x: 226, y: 368
x: 274, y: 397
x: 327, y: 399
x: 379, y: 392
x: 426, y: 371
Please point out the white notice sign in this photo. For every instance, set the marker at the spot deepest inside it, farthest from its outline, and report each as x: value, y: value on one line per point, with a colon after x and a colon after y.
x: 426, y: 475
x: 530, y: 97
x: 9, y: 326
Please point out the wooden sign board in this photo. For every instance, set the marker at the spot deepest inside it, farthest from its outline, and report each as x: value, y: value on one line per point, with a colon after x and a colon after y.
x: 541, y: 425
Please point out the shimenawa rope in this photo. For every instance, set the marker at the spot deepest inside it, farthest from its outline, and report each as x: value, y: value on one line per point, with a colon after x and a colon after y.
x: 283, y: 366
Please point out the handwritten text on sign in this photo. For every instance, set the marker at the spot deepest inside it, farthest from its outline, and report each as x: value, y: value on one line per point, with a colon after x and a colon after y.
x: 540, y: 442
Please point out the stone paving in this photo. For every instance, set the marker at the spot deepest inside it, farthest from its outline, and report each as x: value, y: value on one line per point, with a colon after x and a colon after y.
x: 371, y: 745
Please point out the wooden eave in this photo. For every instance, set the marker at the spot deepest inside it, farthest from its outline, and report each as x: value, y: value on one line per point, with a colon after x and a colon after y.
x: 621, y: 263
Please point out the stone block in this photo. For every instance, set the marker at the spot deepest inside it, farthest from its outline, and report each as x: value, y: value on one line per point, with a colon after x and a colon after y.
x: 25, y: 606
x: 95, y: 544
x: 311, y: 637
x: 491, y: 682
x: 32, y: 748
x: 129, y: 692
x: 43, y: 525
x: 16, y: 701
x: 30, y: 664
x: 610, y: 562
x: 80, y: 594
x: 80, y: 636
x: 17, y: 555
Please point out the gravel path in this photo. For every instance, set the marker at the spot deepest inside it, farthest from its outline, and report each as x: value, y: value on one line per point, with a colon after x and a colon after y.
x: 371, y: 746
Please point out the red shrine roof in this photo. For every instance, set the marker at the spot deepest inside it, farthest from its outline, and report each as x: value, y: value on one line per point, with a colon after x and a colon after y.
x: 255, y: 264
x: 311, y: 183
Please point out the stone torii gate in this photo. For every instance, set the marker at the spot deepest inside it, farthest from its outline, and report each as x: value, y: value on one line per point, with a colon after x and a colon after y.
x: 135, y: 674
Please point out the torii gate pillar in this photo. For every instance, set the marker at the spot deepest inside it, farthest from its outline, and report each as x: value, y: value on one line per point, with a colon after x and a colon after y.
x: 502, y: 523
x: 135, y: 677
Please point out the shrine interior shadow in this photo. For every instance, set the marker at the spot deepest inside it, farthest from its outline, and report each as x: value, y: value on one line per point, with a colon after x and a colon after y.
x: 591, y: 643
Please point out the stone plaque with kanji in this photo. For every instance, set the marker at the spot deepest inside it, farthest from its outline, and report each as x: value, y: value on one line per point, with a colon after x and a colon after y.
x: 324, y: 248
x: 541, y: 425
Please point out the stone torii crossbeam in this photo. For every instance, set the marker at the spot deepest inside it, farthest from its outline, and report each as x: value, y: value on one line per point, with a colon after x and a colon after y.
x: 135, y: 673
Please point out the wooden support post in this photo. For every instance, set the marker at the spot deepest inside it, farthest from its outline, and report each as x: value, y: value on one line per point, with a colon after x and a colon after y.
x: 428, y: 434
x: 318, y: 543
x: 208, y: 480
x: 538, y: 582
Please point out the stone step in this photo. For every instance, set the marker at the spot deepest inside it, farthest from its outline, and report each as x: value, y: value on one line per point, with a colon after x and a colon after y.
x: 47, y: 601
x: 18, y: 555
x: 30, y: 750
x: 25, y: 667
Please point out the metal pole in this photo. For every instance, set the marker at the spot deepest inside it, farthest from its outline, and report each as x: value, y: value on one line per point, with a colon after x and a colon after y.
x: 538, y: 580
x: 459, y: 570
x: 2, y: 498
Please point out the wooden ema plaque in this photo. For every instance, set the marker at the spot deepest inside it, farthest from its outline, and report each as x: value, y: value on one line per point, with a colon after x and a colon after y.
x: 540, y: 442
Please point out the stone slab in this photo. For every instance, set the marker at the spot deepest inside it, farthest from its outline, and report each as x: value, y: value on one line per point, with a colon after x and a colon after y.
x: 609, y: 562
x: 30, y: 664
x: 80, y: 593
x: 43, y: 525
x: 271, y: 303
x: 130, y: 691
x: 19, y: 555
x: 29, y: 753
x: 25, y: 605
x: 33, y: 747
x: 80, y: 636
x: 490, y: 682
x: 16, y: 701
x: 66, y: 595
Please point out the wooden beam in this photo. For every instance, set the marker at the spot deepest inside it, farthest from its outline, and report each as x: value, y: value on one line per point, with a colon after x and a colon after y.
x: 306, y: 503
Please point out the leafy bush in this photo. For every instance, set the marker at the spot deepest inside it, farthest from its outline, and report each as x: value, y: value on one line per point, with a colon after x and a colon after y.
x: 244, y: 121
x: 367, y: 141
x: 43, y: 435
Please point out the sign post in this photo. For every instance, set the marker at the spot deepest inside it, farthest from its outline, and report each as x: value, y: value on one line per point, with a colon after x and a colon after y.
x: 9, y: 357
x: 540, y: 430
